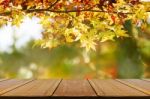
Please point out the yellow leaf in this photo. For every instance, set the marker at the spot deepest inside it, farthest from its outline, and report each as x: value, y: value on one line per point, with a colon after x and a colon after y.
x: 108, y: 35
x: 120, y: 32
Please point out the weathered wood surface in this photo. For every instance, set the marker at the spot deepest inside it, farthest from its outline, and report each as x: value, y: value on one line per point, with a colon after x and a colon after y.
x: 114, y: 88
x: 74, y: 88
x: 35, y: 88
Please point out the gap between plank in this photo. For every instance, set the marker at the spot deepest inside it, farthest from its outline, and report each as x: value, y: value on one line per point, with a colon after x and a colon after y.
x: 133, y: 86
x: 92, y: 85
x: 56, y: 87
x: 14, y: 87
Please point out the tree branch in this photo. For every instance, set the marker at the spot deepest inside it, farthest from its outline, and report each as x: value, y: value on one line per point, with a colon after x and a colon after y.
x: 69, y: 11
x: 53, y: 4
x: 62, y: 11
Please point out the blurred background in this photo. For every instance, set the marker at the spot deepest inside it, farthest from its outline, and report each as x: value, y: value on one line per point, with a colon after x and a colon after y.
x: 122, y: 58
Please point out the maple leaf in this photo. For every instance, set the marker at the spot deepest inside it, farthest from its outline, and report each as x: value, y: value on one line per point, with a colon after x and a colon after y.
x: 120, y: 32
x: 17, y: 18
x: 108, y: 35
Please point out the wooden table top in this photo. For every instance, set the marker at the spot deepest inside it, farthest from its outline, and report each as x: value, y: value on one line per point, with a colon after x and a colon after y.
x: 53, y: 88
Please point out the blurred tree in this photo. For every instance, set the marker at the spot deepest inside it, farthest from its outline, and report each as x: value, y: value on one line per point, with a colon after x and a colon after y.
x: 72, y: 24
x: 129, y: 57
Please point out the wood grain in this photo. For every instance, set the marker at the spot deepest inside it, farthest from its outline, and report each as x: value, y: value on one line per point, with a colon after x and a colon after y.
x: 35, y: 88
x: 113, y: 88
x: 74, y: 88
x: 138, y: 84
x: 9, y: 85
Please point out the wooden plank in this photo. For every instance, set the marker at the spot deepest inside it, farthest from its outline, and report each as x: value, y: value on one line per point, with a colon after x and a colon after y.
x: 11, y: 84
x: 35, y: 88
x: 113, y: 88
x: 140, y: 85
x: 74, y: 88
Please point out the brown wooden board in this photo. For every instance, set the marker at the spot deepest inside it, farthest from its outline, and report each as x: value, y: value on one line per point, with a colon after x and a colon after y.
x: 35, y: 88
x: 74, y: 88
x: 25, y: 89
x: 113, y: 88
x: 141, y: 85
x: 8, y: 85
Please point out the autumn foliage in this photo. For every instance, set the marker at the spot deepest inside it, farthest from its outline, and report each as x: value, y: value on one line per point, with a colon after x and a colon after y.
x: 83, y: 21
